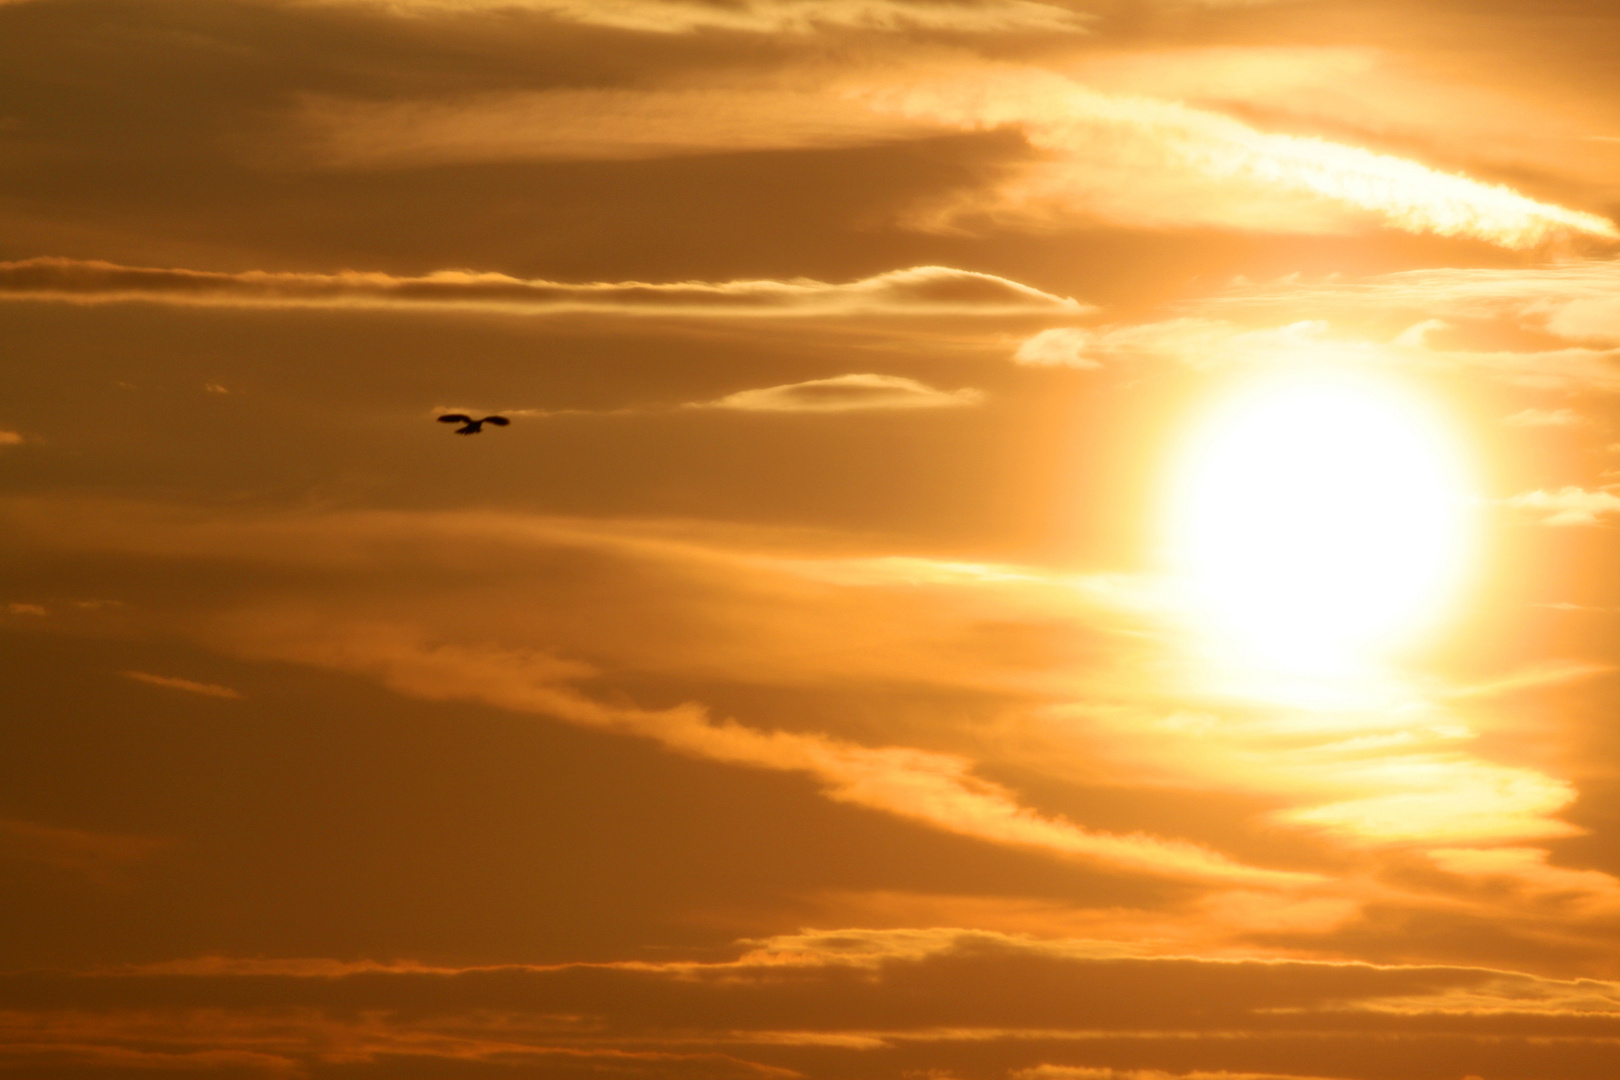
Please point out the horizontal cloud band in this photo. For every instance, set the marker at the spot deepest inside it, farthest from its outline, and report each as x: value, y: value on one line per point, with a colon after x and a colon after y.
x: 922, y: 290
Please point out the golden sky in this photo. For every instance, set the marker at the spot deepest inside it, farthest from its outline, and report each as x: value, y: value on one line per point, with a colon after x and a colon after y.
x: 1038, y: 539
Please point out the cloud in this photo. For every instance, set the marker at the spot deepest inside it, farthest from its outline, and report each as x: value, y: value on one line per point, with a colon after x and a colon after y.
x: 833, y: 1002
x: 1571, y: 300
x: 1065, y: 681
x: 1567, y: 505
x: 932, y: 788
x: 1096, y: 154
x: 1544, y: 418
x: 1446, y: 800
x: 103, y: 858
x: 1084, y: 1072
x: 1196, y: 341
x: 1152, y: 162
x: 10, y: 438
x: 26, y: 609
x: 205, y: 689
x: 772, y: 16
x: 583, y: 124
x: 845, y: 393
x: 1061, y: 346
x: 1346, y: 330
x: 919, y: 291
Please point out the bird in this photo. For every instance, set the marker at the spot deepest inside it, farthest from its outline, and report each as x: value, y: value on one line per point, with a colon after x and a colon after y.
x: 471, y: 426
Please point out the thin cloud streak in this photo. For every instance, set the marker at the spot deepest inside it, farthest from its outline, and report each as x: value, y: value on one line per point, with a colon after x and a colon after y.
x: 797, y: 17
x: 188, y: 685
x: 1544, y: 418
x: 1567, y: 506
x: 845, y: 393
x: 102, y: 858
x: 918, y: 291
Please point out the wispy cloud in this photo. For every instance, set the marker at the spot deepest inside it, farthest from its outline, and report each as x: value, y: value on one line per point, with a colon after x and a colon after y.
x: 191, y: 687
x: 589, y: 125
x: 922, y: 290
x: 820, y: 1002
x: 103, y: 858
x: 1061, y: 346
x: 1572, y: 301
x: 1567, y: 505
x: 1544, y: 418
x: 1156, y: 162
x: 1088, y: 679
x: 1086, y: 1072
x: 845, y: 393
x: 1100, y: 154
x: 771, y: 16
x: 936, y: 789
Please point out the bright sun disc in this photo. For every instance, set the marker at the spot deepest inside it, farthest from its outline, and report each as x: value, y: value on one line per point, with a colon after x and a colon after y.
x: 1320, y: 517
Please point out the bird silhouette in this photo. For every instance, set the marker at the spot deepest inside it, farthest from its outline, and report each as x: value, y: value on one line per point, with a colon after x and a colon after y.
x: 471, y: 426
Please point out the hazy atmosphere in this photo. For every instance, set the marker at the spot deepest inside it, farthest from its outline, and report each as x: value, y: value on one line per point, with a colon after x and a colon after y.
x: 1036, y: 539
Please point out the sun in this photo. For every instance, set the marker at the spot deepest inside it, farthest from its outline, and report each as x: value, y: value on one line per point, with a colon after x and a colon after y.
x: 1320, y: 517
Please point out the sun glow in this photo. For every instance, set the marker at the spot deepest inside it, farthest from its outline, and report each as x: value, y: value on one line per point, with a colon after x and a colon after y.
x: 1320, y: 519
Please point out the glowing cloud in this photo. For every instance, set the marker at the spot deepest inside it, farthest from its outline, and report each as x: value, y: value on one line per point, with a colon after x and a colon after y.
x: 1568, y: 505
x: 189, y: 686
x: 1153, y: 161
x: 770, y: 16
x: 1061, y: 346
x: 921, y: 290
x: 1544, y: 418
x: 846, y: 393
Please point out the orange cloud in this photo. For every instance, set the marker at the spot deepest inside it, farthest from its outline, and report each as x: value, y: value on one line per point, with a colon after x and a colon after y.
x: 773, y: 16
x: 845, y: 393
x: 1162, y: 162
x: 1567, y: 505
x: 205, y: 689
x: 1544, y: 418
x: 1061, y: 346
x: 103, y: 858
x: 922, y: 291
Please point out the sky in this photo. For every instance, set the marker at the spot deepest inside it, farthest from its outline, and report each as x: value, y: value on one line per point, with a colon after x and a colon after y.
x: 1037, y: 539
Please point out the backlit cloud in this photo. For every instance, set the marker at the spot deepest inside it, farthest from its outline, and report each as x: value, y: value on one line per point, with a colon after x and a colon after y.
x: 846, y: 393
x: 772, y: 16
x: 923, y: 290
x: 188, y: 685
x: 1163, y: 162
x: 1567, y: 505
x: 1061, y: 346
x: 1544, y: 418
x: 820, y: 1001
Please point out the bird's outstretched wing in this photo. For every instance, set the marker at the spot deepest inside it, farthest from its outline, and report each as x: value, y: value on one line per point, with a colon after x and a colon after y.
x: 499, y: 421
x: 455, y: 418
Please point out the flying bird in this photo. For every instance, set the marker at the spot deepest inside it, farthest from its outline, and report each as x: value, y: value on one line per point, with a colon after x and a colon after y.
x: 471, y: 426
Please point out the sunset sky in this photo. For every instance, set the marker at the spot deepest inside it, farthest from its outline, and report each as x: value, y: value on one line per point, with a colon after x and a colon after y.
x: 1038, y: 539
